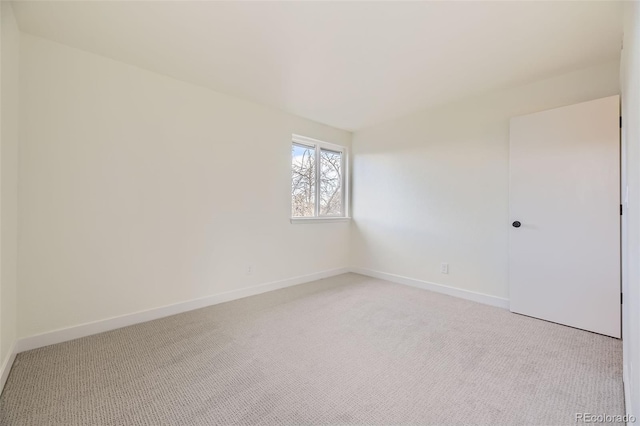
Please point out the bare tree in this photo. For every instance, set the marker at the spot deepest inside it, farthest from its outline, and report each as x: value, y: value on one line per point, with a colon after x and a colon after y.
x: 303, y: 182
x: 330, y: 183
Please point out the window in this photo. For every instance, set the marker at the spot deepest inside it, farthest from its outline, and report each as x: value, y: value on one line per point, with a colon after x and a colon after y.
x: 318, y: 188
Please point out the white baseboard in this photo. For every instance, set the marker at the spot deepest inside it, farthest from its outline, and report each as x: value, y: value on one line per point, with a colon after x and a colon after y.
x: 6, y: 366
x: 95, y: 327
x: 499, y: 302
x: 627, y: 390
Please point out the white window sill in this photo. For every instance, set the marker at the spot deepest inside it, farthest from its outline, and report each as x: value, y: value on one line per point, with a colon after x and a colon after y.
x: 299, y: 220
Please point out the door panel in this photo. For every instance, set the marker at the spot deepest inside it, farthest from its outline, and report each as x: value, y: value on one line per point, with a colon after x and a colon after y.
x: 564, y: 259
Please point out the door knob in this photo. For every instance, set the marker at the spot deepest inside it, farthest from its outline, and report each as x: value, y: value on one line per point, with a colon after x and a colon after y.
x: 516, y: 224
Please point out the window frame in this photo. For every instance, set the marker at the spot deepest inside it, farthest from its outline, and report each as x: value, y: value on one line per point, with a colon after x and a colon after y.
x: 318, y: 146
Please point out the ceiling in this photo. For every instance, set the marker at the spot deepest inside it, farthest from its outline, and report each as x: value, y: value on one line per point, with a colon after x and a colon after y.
x: 346, y: 64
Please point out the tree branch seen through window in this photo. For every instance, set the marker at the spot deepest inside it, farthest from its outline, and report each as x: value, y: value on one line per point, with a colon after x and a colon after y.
x: 316, y: 194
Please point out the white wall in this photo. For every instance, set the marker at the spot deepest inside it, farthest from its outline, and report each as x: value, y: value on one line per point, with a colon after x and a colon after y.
x: 9, y: 52
x: 138, y: 191
x: 630, y: 96
x: 432, y: 187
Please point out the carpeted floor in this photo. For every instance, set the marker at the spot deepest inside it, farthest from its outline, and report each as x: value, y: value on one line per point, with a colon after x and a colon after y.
x: 345, y: 350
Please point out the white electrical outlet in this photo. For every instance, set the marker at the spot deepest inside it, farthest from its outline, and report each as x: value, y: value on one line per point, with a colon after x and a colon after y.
x: 249, y: 270
x: 444, y: 268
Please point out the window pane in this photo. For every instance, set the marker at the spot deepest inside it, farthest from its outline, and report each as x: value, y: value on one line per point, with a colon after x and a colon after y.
x: 330, y: 183
x: 303, y: 181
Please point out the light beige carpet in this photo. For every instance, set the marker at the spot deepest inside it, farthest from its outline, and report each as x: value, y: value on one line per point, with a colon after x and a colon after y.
x: 346, y: 350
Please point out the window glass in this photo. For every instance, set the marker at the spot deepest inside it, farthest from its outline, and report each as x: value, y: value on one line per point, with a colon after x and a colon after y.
x: 330, y: 183
x: 303, y: 181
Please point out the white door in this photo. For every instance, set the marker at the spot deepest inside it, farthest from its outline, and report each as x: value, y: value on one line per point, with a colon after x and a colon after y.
x: 564, y: 200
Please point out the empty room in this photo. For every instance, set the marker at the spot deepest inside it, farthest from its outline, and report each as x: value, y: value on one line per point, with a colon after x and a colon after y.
x: 319, y: 212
